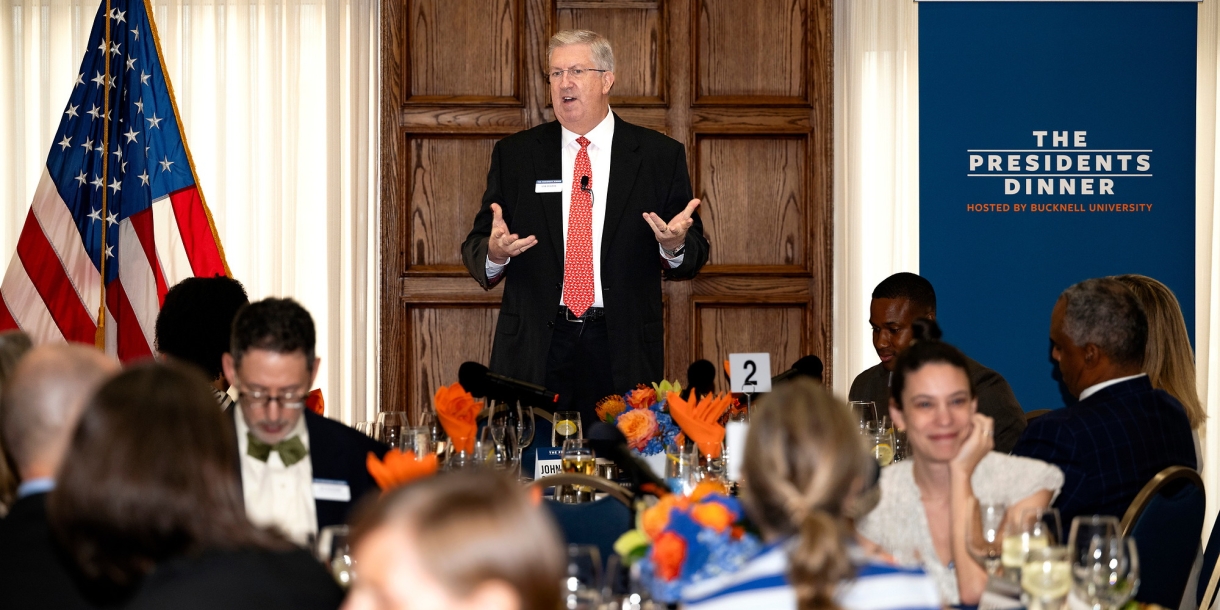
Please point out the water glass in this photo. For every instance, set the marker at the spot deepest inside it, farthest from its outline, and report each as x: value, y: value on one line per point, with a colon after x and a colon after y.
x: 576, y: 457
x: 881, y: 440
x: 1105, y: 566
x: 582, y: 585
x: 391, y: 423
x: 985, y: 536
x: 1046, y: 577
x: 567, y: 425
x: 417, y: 440
x: 864, y: 411
x: 681, y: 467
x: 1031, y: 530
x: 335, y: 553
x: 902, y: 447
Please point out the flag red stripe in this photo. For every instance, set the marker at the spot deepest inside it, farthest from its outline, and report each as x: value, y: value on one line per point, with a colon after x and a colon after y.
x: 196, y: 233
x: 7, y: 322
x: 131, y: 342
x: 142, y: 222
x: 42, y: 264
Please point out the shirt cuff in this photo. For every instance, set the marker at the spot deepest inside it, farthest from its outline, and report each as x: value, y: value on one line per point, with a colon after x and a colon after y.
x: 674, y: 262
x: 493, y: 270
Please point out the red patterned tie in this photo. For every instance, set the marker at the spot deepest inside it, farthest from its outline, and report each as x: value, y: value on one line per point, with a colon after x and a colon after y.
x: 578, y: 255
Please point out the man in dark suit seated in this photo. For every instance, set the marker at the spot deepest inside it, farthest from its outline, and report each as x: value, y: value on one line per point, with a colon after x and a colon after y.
x: 42, y: 402
x: 898, y: 301
x: 1122, y: 432
x: 299, y: 471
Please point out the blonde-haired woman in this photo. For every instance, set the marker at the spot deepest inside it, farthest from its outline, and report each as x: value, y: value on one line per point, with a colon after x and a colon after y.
x: 804, y: 467
x: 1168, y: 358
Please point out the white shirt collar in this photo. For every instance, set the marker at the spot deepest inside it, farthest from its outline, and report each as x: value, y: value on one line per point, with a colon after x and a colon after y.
x: 1097, y: 387
x: 600, y: 136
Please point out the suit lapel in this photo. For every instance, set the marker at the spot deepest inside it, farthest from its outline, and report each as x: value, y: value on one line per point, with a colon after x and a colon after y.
x: 232, y: 413
x: 624, y: 166
x: 548, y: 165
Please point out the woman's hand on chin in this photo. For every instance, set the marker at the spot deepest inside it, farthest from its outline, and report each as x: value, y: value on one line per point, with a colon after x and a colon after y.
x: 979, y: 441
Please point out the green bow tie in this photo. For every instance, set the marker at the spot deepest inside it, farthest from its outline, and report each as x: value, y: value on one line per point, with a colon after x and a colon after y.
x: 291, y: 450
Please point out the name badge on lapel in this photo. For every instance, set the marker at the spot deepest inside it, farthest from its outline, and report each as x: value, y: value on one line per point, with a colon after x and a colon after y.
x: 548, y: 186
x: 331, y: 489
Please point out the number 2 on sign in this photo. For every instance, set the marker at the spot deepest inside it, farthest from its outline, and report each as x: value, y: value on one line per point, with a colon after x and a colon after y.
x: 750, y: 372
x: 749, y: 380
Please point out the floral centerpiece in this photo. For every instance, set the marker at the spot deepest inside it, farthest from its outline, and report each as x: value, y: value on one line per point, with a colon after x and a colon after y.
x: 682, y: 540
x: 643, y: 417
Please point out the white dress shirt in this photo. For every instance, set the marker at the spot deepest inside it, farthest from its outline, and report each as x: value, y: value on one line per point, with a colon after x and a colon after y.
x: 277, y: 495
x: 1097, y: 387
x: 600, y: 139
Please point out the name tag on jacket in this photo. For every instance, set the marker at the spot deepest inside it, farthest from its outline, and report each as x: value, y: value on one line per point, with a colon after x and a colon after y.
x: 331, y: 489
x: 548, y: 186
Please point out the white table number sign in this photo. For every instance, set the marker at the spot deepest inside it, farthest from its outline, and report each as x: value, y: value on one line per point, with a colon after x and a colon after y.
x: 750, y: 372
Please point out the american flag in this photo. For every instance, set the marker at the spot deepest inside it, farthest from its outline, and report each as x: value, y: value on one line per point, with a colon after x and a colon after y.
x: 117, y: 217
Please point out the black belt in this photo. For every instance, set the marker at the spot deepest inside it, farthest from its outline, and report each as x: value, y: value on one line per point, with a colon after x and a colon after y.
x: 592, y: 314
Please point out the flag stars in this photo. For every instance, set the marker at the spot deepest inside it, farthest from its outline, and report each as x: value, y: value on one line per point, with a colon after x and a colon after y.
x: 144, y: 76
x: 118, y: 16
x: 135, y: 34
x: 109, y: 251
x: 88, y: 145
x: 112, y: 219
x: 97, y: 183
x: 79, y: 80
x: 118, y: 152
x: 65, y: 143
x: 154, y: 122
x: 115, y: 185
x: 96, y: 215
x: 165, y: 163
x: 114, y: 48
x: 95, y: 112
x: 71, y: 111
x: 144, y: 178
x: 100, y: 79
x: 83, y: 179
x: 140, y: 106
x: 131, y: 63
x: 131, y: 135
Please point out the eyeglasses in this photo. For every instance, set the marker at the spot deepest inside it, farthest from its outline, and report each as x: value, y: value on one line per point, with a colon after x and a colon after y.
x: 260, y: 399
x: 575, y: 73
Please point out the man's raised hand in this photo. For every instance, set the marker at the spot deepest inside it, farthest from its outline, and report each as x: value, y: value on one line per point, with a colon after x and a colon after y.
x: 503, y: 245
x: 672, y: 235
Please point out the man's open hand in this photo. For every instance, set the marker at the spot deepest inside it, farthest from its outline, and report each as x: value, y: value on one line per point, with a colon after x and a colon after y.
x: 503, y: 245
x: 670, y: 235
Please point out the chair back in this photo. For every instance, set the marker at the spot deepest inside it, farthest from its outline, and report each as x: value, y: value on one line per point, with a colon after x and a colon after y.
x: 1166, y: 520
x: 1209, y: 576
x: 599, y: 523
x: 606, y: 486
x: 1035, y: 414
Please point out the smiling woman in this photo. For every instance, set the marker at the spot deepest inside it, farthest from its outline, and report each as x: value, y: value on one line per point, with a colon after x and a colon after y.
x: 927, y: 502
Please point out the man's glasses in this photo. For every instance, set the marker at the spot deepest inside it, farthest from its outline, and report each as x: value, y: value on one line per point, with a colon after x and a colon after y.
x: 575, y: 73
x: 260, y: 399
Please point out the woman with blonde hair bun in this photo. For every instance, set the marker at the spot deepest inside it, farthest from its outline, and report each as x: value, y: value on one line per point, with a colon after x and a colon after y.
x: 804, y: 468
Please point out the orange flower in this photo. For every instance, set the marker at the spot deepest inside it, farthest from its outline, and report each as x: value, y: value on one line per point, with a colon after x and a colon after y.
x: 707, y: 487
x: 642, y: 397
x: 610, y: 407
x: 656, y: 517
x: 712, y: 514
x: 399, y: 468
x: 315, y: 403
x: 668, y: 553
x: 639, y: 426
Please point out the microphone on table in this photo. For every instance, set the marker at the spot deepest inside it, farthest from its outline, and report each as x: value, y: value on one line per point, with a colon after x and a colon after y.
x: 808, y: 366
x: 607, y: 441
x: 480, y: 382
x: 700, y: 379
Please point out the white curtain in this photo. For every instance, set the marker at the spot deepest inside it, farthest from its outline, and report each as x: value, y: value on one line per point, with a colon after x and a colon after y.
x: 876, y: 176
x: 279, y: 106
x: 1207, y: 254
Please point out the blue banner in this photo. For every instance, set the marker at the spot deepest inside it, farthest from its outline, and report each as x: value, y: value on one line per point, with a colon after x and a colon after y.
x: 1057, y: 143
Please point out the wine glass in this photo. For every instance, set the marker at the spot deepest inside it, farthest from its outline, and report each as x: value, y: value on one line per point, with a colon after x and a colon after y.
x: 1046, y: 576
x: 902, y: 447
x: 881, y: 439
x: 335, y: 553
x: 1105, y: 566
x: 567, y: 425
x: 417, y: 440
x: 865, y: 411
x: 581, y: 586
x: 392, y: 423
x: 577, y: 457
x: 985, y: 536
x: 1031, y: 530
x: 504, y: 454
x: 524, y: 428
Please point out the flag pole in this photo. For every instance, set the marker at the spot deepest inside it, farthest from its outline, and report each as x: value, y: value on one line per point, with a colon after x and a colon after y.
x: 99, y: 339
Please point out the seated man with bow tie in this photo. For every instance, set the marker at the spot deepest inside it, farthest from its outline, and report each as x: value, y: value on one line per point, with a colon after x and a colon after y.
x: 299, y: 471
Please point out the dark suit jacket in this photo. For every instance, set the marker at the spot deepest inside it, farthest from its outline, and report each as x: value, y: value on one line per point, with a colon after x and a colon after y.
x: 647, y: 174
x: 996, y: 399
x: 34, y: 572
x: 337, y: 453
x: 236, y: 580
x: 1109, y: 446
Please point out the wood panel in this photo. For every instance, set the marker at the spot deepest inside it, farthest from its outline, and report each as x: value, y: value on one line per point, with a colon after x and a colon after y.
x: 465, y: 51
x: 755, y: 193
x: 639, y: 74
x: 751, y: 53
x: 724, y: 328
x: 447, y: 178
x: 441, y: 339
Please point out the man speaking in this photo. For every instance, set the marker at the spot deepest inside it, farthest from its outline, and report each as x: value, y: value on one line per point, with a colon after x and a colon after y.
x: 581, y: 219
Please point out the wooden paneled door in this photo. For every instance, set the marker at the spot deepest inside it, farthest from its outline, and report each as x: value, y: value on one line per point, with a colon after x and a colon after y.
x: 745, y: 84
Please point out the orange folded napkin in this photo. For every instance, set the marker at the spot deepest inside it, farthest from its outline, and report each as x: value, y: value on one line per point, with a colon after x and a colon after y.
x: 700, y: 420
x: 458, y: 412
x: 315, y: 403
x: 399, y: 468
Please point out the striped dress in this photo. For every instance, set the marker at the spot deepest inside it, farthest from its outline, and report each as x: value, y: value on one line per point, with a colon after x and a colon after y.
x: 763, y: 583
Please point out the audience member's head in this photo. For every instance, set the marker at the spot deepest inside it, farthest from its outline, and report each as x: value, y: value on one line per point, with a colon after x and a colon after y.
x: 13, y: 345
x: 459, y: 540
x: 932, y: 396
x: 271, y: 361
x: 1168, y: 357
x: 196, y: 321
x: 898, y: 301
x: 150, y: 477
x: 804, y: 465
x: 43, y: 400
x: 1098, y: 332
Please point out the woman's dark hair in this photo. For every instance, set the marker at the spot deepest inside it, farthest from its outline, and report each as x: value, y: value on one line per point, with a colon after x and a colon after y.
x: 150, y: 476
x: 926, y: 349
